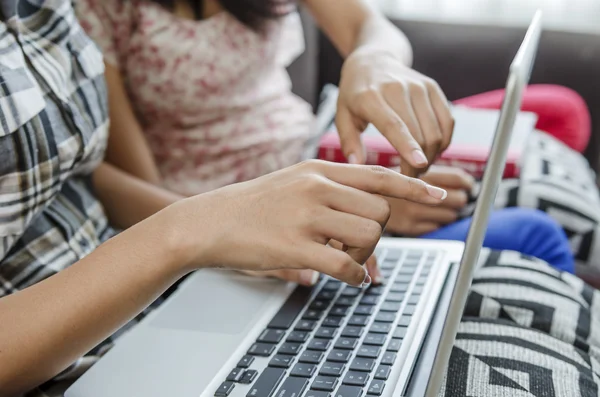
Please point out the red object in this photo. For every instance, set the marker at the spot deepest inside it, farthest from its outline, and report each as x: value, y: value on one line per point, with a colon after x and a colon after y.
x: 561, y: 111
x: 381, y: 152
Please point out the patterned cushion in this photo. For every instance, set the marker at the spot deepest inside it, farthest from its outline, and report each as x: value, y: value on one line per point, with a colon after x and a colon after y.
x: 527, y: 330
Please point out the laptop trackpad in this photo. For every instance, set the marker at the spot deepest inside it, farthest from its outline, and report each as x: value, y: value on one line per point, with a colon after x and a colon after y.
x: 223, y: 302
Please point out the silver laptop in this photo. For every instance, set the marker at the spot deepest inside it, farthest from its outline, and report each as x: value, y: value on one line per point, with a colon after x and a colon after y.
x: 223, y: 334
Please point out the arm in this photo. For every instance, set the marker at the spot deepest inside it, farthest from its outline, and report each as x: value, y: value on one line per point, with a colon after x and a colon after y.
x: 128, y: 200
x: 49, y: 325
x: 378, y: 86
x: 127, y: 147
x: 353, y: 25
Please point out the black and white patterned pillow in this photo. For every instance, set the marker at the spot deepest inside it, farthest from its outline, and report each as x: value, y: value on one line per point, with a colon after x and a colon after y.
x: 557, y: 180
x: 527, y: 330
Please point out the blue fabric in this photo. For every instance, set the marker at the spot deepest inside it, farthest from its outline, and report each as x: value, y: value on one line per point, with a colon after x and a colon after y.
x: 530, y: 232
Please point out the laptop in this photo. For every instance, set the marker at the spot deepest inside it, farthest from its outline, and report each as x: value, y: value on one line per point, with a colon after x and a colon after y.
x: 221, y: 334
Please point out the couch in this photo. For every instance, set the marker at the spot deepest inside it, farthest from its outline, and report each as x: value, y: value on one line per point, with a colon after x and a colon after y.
x: 468, y: 59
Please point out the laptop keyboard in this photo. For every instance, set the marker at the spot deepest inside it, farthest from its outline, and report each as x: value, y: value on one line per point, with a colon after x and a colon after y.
x: 334, y: 340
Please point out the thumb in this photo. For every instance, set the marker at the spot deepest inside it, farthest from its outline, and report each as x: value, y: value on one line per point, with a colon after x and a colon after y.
x: 349, y: 136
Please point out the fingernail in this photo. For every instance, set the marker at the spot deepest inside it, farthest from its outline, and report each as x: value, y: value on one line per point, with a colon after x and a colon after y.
x: 352, y: 159
x: 419, y: 157
x: 309, y: 278
x: 436, y: 192
x: 367, y: 281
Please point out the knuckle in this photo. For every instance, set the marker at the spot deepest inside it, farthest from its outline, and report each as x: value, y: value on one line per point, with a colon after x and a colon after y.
x: 392, y: 125
x: 418, y: 89
x: 379, y: 176
x: 371, y: 231
x: 384, y: 210
x: 430, y: 84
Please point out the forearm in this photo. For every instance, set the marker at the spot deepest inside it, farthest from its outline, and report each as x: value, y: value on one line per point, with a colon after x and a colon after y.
x: 48, y: 326
x: 128, y: 200
x: 354, y: 25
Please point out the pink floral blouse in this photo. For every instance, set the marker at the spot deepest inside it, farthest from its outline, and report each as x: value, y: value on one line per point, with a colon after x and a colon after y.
x: 213, y: 97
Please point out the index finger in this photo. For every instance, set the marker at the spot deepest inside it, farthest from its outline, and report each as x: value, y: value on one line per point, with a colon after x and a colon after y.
x: 379, y: 113
x: 384, y: 182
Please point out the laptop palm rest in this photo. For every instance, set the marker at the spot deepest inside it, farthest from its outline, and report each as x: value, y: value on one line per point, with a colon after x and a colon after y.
x: 180, y: 349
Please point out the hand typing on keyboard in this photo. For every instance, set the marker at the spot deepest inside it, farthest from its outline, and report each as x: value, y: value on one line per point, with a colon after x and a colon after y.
x: 286, y: 219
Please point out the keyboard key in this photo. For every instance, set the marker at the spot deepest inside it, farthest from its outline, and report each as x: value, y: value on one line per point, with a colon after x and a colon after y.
x: 399, y: 288
x: 354, y: 378
x: 332, y: 285
x: 395, y: 297
x: 387, y: 273
x: 325, y: 295
x: 324, y: 383
x: 313, y: 315
x: 271, y: 336
x: 369, y: 300
x: 326, y: 333
x: 383, y: 372
x: 311, y: 357
x: 404, y: 278
x: 225, y: 389
x: 394, y: 345
x: 319, y: 305
x: 388, y: 264
x: 394, y: 254
x: 375, y: 339
x: 292, y: 307
x: 353, y: 332
x: 388, y: 358
x: 316, y: 393
x: 332, y: 321
x: 375, y: 290
x: 319, y: 344
x: 417, y: 289
x: 349, y: 391
x: 281, y: 361
x: 339, y: 356
x: 358, y: 320
x: 376, y: 388
x: 421, y: 281
x: 292, y: 387
x: 261, y: 349
x: 366, y: 310
x: 297, y: 336
x: 404, y: 321
x: 400, y: 332
x: 380, y: 328
x: 362, y: 364
x: 414, y: 299
x: 368, y: 351
x: 410, y: 309
x: 351, y: 291
x: 390, y: 306
x: 267, y: 382
x: 346, y: 343
x: 332, y: 369
x: 385, y: 317
x: 289, y: 348
x: 339, y: 311
x: 304, y: 370
x: 245, y: 361
x: 249, y: 376
x: 305, y: 325
x: 235, y: 375
x: 345, y: 301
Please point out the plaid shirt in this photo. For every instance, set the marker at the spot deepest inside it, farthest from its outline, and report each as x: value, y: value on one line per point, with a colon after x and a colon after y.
x: 53, y: 133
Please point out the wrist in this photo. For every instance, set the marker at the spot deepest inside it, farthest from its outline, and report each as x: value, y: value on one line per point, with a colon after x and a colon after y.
x: 188, y: 237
